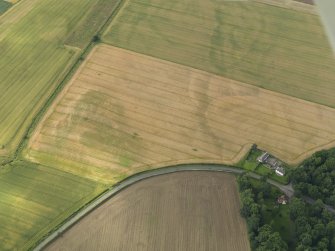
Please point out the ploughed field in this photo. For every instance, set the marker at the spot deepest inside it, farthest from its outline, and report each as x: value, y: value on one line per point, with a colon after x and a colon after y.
x: 34, y: 57
x: 124, y: 112
x: 34, y: 199
x: 179, y: 211
x: 278, y: 49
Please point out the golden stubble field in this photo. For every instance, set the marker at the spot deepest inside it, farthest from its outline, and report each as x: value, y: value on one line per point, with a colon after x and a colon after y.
x: 124, y: 112
x: 179, y: 211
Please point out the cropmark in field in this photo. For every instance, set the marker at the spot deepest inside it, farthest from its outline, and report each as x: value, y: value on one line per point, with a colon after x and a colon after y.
x: 34, y: 58
x: 125, y: 112
x: 276, y: 48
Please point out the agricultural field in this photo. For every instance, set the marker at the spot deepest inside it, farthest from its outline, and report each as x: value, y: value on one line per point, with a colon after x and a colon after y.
x: 34, y: 199
x: 100, y: 12
x: 125, y: 112
x: 34, y: 58
x: 276, y: 48
x: 169, y: 212
x: 177, y: 82
x: 4, y: 6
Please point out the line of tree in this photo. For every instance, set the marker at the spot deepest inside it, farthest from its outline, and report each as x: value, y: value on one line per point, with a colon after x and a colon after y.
x: 316, y: 177
x: 262, y: 237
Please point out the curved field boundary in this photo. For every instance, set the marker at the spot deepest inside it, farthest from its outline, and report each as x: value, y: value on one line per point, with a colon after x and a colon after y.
x: 175, y: 211
x: 127, y: 112
x: 141, y: 176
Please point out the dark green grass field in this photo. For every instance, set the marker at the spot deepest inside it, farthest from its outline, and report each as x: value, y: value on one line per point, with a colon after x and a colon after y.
x: 275, y: 48
x: 4, y: 6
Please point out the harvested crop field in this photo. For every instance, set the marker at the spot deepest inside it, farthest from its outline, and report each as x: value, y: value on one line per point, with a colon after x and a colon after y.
x: 125, y: 112
x: 275, y: 48
x: 34, y: 199
x: 33, y: 60
x: 179, y: 211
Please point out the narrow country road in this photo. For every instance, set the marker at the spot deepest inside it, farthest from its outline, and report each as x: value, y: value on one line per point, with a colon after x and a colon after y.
x: 287, y: 189
x: 312, y: 201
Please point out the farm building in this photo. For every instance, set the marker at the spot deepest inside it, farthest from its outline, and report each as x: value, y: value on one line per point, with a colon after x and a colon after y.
x: 280, y: 171
x: 263, y: 157
x: 272, y: 163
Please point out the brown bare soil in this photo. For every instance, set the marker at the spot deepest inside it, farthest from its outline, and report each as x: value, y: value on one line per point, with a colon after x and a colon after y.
x: 179, y: 211
x: 125, y: 112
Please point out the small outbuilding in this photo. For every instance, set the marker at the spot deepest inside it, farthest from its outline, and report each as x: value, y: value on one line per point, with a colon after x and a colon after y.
x: 280, y: 171
x: 263, y: 157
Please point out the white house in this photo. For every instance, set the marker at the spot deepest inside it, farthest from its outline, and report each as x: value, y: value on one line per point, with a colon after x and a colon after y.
x: 280, y: 171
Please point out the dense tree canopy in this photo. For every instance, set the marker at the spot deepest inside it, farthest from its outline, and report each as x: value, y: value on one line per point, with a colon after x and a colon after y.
x: 316, y: 177
x: 268, y: 240
x: 315, y: 226
x: 262, y: 237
